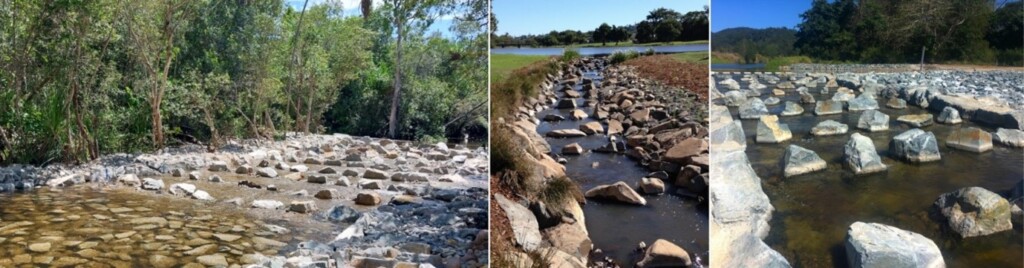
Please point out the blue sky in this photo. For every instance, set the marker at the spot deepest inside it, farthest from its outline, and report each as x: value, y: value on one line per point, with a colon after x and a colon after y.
x: 352, y: 9
x: 519, y: 17
x: 756, y: 13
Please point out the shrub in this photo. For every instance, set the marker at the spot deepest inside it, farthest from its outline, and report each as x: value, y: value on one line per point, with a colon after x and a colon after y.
x: 622, y: 56
x: 570, y: 54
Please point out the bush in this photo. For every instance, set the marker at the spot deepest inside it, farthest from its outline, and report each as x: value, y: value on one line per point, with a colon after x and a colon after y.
x: 649, y: 52
x: 622, y: 56
x: 570, y: 54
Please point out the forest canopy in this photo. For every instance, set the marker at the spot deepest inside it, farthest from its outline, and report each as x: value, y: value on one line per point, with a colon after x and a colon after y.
x: 661, y: 25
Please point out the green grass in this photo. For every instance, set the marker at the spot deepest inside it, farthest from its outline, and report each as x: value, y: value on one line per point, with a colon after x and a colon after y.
x: 691, y: 57
x: 773, y: 64
x: 502, y: 64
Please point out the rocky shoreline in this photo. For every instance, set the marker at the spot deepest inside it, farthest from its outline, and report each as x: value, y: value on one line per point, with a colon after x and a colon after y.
x: 659, y: 129
x: 378, y: 202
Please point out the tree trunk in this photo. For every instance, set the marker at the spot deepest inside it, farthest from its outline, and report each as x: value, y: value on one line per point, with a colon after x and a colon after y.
x: 158, y: 130
x: 397, y: 93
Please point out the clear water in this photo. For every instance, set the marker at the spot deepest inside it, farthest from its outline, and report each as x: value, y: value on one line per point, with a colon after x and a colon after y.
x: 813, y: 211
x: 615, y: 228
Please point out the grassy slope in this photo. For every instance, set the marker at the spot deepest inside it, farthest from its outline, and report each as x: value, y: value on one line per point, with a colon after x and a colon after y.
x: 691, y: 57
x: 502, y: 65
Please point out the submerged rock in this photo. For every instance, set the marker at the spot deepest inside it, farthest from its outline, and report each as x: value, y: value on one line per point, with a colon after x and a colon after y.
x: 828, y: 107
x: 799, y: 160
x: 769, y: 130
x: 949, y: 115
x: 1009, y: 137
x: 975, y: 211
x: 860, y: 155
x: 970, y: 139
x: 651, y: 186
x: 619, y: 191
x: 879, y: 245
x: 807, y: 98
x: 792, y: 108
x: 915, y: 145
x: 829, y: 127
x: 566, y: 133
x: 753, y: 109
x: 572, y: 149
x: 771, y: 101
x: 873, y: 120
x: 916, y: 120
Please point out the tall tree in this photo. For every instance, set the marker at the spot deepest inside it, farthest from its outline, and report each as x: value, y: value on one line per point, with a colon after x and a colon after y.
x: 602, y: 33
x: 155, y: 47
x: 407, y: 14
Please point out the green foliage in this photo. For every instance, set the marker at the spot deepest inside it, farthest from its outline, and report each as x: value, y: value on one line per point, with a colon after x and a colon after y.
x: 773, y: 64
x: 87, y: 78
x: 754, y: 45
x: 620, y: 56
x: 897, y: 31
x: 674, y: 27
x: 570, y: 54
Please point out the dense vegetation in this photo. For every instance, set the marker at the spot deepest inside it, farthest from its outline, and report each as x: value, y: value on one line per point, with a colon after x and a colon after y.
x: 661, y: 25
x: 755, y: 45
x: 886, y: 31
x: 79, y: 79
x: 890, y: 31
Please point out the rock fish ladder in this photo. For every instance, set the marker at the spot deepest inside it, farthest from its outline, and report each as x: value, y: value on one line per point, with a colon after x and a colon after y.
x: 605, y: 119
x: 307, y: 200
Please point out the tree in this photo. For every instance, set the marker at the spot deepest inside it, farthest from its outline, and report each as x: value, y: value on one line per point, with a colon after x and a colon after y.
x: 155, y: 47
x: 602, y: 33
x: 645, y: 32
x: 407, y: 14
x: 667, y: 31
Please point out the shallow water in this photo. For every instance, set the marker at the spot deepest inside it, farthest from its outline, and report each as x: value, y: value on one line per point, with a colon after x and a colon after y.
x: 93, y: 226
x: 813, y: 211
x: 615, y: 228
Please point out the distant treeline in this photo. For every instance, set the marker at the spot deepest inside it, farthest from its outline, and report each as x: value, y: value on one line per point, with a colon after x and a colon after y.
x: 891, y: 31
x: 754, y: 45
x: 661, y: 25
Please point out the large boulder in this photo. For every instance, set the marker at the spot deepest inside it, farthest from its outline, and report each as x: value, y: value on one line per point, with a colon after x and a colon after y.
x: 573, y: 149
x: 949, y: 115
x: 873, y: 120
x: 862, y: 103
x: 592, y: 128
x: 525, y: 228
x: 734, y: 98
x: 1009, y: 137
x: 828, y: 107
x: 807, y: 98
x: 880, y: 245
x: 769, y: 130
x: 974, y: 211
x: 663, y: 253
x: 916, y: 120
x: 771, y: 101
x: 152, y: 184
x: 566, y: 104
x: 842, y: 96
x: 915, y: 145
x: 860, y: 155
x: 829, y: 127
x: 727, y: 136
x: 799, y: 160
x: 792, y: 108
x: 740, y: 212
x: 619, y: 191
x: 970, y: 139
x: 681, y: 151
x: 753, y: 109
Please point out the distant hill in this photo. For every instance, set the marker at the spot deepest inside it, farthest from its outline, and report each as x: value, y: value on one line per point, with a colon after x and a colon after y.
x: 754, y: 45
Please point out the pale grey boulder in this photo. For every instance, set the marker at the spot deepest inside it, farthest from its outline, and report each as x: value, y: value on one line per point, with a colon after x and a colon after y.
x: 829, y: 127
x: 860, y: 155
x: 873, y: 120
x: 799, y: 160
x: 872, y: 245
x: 915, y: 145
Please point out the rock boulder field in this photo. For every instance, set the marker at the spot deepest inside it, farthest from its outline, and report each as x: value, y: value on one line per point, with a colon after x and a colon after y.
x: 915, y: 145
x: 423, y: 193
x: 860, y: 156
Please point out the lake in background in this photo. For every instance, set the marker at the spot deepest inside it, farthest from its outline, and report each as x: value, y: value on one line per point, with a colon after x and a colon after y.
x: 588, y: 51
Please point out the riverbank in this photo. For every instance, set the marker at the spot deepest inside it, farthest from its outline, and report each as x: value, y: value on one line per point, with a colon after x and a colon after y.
x: 309, y: 199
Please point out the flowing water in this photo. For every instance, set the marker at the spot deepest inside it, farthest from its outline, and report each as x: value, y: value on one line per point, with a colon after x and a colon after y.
x: 96, y: 226
x: 616, y: 228
x: 813, y: 211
